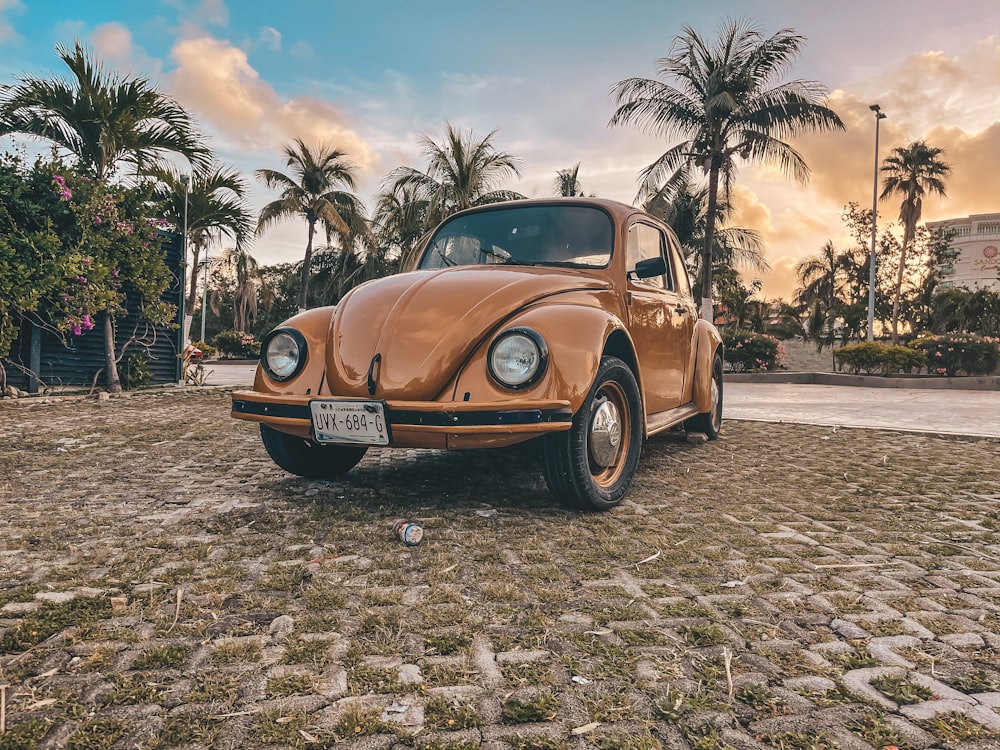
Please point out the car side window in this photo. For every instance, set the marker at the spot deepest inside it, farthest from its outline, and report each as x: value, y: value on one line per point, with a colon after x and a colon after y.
x: 682, y: 283
x: 646, y: 242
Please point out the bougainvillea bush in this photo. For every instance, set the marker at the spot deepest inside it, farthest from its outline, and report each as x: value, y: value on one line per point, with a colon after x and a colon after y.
x: 747, y: 351
x: 954, y: 353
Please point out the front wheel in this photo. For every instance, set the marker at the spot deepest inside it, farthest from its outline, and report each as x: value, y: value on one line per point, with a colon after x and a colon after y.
x: 592, y: 465
x: 710, y: 422
x: 308, y: 459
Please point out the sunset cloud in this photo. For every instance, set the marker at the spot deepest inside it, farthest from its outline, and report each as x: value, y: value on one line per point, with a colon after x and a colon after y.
x: 216, y: 80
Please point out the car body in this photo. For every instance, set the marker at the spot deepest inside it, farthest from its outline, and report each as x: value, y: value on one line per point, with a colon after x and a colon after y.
x: 568, y: 321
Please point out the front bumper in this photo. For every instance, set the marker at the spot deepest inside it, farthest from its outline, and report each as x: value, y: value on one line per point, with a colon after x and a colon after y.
x: 422, y: 424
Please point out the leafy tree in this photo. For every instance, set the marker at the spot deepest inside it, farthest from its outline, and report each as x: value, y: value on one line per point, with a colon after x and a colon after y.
x: 104, y: 121
x: 567, y: 182
x: 729, y: 103
x: 910, y: 173
x: 462, y: 172
x: 214, y: 206
x: 400, y: 221
x: 312, y: 191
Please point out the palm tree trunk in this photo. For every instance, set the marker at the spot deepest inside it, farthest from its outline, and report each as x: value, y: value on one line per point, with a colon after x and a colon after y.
x: 899, y: 291
x: 707, y: 310
x: 306, y: 265
x: 110, y: 363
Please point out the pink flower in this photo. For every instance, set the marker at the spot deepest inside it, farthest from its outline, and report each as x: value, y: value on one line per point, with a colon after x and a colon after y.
x: 82, y: 279
x: 59, y: 180
x: 114, y: 272
x: 65, y: 194
x: 97, y: 219
x: 77, y: 330
x: 87, y: 324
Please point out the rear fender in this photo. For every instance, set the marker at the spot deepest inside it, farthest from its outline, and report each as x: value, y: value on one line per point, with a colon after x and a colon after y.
x: 707, y: 342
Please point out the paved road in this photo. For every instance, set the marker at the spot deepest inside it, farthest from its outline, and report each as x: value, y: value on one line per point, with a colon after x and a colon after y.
x: 948, y: 412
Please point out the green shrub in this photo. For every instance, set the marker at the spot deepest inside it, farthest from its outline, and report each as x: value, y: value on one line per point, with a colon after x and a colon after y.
x: 874, y: 358
x: 237, y: 344
x: 134, y: 371
x: 747, y: 351
x: 952, y: 353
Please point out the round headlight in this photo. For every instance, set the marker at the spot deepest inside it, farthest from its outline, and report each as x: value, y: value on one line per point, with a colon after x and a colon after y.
x: 284, y: 353
x: 517, y: 358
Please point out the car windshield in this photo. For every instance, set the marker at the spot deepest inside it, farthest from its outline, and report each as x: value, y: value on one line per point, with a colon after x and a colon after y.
x: 532, y: 235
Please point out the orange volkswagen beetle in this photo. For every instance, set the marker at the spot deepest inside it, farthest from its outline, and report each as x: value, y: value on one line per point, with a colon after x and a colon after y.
x: 567, y: 321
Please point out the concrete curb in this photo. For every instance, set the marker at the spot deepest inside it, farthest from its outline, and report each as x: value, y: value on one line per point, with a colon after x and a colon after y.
x: 930, y: 382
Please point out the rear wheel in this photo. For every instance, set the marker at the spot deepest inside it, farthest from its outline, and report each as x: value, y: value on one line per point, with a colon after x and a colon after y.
x: 308, y: 459
x: 710, y: 422
x: 592, y: 464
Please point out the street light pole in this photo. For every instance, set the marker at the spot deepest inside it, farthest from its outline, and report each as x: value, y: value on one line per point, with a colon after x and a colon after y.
x: 879, y: 115
x: 204, y: 298
x: 185, y: 329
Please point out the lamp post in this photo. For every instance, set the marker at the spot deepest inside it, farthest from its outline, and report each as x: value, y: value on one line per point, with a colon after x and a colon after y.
x: 185, y: 327
x: 879, y: 115
x: 204, y: 298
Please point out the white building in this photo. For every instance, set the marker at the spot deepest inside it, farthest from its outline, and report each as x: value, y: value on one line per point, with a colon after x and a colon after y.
x: 976, y: 239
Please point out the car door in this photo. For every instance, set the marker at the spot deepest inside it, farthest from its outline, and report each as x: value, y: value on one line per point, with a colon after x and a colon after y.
x: 661, y: 316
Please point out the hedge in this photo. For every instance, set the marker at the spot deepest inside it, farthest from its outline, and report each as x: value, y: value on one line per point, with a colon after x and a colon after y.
x: 872, y: 357
x: 747, y: 351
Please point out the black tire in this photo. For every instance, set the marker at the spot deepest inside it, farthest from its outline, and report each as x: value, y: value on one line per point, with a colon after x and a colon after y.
x: 308, y: 459
x: 710, y: 422
x: 596, y: 474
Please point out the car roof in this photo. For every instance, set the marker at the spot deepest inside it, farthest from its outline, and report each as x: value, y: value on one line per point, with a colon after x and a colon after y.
x: 618, y: 210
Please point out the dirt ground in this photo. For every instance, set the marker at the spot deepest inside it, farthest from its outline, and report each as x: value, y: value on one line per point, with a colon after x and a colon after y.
x: 163, y: 585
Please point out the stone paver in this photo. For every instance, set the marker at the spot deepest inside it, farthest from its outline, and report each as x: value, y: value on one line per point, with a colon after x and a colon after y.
x: 162, y: 584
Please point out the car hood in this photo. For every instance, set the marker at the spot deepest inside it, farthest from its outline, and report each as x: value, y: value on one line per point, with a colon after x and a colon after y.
x: 423, y: 325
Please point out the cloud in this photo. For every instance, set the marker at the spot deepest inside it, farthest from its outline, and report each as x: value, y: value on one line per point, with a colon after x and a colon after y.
x: 206, y: 12
x: 7, y: 31
x: 112, y: 41
x: 302, y: 52
x: 270, y: 37
x: 216, y: 80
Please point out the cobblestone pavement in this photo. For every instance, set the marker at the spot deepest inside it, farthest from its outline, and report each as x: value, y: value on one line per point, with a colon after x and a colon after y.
x: 162, y: 584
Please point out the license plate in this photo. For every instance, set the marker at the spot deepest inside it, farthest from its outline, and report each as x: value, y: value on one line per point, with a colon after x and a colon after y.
x: 358, y: 422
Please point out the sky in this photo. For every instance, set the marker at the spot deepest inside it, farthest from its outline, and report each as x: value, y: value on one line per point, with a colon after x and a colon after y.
x: 372, y: 78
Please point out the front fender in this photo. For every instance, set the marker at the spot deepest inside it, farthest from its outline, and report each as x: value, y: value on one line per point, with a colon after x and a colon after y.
x: 314, y: 325
x: 707, y: 342
x: 575, y: 336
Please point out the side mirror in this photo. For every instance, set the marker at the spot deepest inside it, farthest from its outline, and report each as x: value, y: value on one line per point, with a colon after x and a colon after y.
x: 647, y: 269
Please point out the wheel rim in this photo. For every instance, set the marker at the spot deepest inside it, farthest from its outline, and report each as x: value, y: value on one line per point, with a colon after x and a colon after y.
x: 609, y: 434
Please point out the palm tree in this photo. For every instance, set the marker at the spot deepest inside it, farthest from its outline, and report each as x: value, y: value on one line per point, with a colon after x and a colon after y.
x: 911, y: 172
x: 311, y: 191
x: 400, y: 221
x: 214, y: 206
x: 104, y: 121
x: 684, y: 208
x: 729, y: 103
x: 567, y: 183
x: 821, y: 278
x: 248, y: 286
x: 462, y: 172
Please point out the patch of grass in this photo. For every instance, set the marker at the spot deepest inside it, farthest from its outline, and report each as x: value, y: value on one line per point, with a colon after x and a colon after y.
x: 674, y: 705
x: 99, y: 734
x: 24, y: 736
x: 875, y: 730
x: 535, y: 743
x: 441, y: 713
x: 211, y: 687
x: 313, y: 651
x: 129, y: 689
x: 50, y: 619
x: 358, y: 722
x: 800, y: 741
x: 324, y: 597
x: 607, y: 707
x: 447, y: 645
x: 442, y: 675
x: 528, y: 673
x: 236, y: 652
x: 619, y: 741
x: 835, y: 696
x: 956, y: 727
x: 363, y: 680
x: 901, y: 690
x: 162, y: 657
x: 855, y: 660
x: 884, y: 628
x: 705, y: 737
x: 294, y: 683
x: 650, y: 637
x: 438, y: 745
x: 538, y: 707
x: 683, y: 608
x: 758, y: 697
x: 702, y: 635
x: 275, y: 728
x: 977, y: 681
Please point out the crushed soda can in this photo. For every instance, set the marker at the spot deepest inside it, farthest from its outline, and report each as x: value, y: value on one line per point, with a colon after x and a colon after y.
x: 408, y: 533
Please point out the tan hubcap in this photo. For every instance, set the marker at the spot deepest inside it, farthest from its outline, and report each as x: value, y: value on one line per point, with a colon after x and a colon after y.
x: 605, y: 434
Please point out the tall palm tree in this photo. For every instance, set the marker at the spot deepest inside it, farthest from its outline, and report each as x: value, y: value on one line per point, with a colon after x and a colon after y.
x: 400, y: 221
x: 729, y: 103
x: 312, y: 191
x: 462, y: 172
x: 214, y: 207
x: 248, y: 286
x: 102, y: 119
x: 105, y: 121
x: 911, y: 172
x: 567, y: 183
